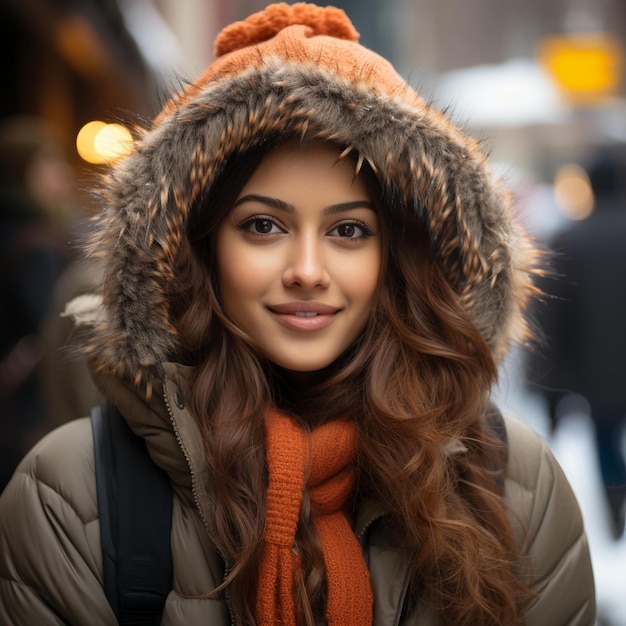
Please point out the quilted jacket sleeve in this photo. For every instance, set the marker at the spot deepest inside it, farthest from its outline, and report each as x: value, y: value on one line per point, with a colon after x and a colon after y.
x: 549, y: 530
x: 50, y: 560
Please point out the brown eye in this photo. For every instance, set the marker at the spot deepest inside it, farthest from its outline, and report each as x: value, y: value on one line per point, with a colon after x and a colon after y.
x: 351, y: 230
x: 346, y: 230
x: 263, y: 226
x: 259, y: 225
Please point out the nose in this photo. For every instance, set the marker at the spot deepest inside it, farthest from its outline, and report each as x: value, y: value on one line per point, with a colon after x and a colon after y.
x: 305, y: 266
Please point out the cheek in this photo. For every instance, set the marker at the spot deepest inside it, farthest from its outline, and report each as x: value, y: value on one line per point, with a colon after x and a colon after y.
x: 362, y: 278
x: 242, y: 272
x: 235, y: 278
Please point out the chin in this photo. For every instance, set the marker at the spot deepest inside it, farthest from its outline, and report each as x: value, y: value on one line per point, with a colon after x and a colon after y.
x: 308, y: 368
x: 296, y: 364
x: 304, y: 372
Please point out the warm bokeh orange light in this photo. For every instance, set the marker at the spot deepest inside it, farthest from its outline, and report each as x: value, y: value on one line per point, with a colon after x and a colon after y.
x: 113, y: 142
x: 85, y: 142
x: 98, y: 142
x: 573, y: 192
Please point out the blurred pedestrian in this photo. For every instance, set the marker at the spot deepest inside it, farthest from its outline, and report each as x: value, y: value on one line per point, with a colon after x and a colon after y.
x: 583, y: 322
x: 309, y: 278
x: 35, y: 195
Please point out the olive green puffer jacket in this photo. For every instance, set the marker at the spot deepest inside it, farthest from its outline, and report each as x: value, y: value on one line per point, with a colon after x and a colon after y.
x: 50, y: 559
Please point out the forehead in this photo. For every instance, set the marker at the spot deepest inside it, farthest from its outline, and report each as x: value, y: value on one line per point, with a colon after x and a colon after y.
x: 308, y: 170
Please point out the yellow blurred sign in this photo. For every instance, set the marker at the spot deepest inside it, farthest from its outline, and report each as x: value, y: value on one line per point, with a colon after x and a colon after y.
x: 588, y: 68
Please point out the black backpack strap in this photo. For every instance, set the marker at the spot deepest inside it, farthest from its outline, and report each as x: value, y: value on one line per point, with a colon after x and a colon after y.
x: 135, y: 508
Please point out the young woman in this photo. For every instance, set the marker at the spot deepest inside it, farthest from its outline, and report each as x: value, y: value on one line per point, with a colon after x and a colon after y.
x: 310, y: 281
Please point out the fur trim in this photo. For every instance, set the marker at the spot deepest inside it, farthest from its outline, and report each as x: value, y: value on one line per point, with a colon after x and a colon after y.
x: 443, y: 176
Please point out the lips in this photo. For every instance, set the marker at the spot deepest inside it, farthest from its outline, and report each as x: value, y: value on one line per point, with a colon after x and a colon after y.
x: 304, y: 315
x: 293, y: 308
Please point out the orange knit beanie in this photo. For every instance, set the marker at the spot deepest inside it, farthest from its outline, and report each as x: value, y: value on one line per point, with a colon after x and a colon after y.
x: 303, y: 34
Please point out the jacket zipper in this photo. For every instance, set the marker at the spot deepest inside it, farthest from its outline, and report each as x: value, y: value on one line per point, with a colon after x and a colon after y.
x: 376, y: 516
x: 196, y: 500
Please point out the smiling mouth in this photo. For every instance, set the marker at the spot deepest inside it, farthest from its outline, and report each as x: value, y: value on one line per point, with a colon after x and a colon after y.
x: 304, y: 316
x: 303, y: 309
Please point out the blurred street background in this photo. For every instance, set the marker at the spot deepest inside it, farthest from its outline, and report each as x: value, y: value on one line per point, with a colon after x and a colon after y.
x: 542, y: 83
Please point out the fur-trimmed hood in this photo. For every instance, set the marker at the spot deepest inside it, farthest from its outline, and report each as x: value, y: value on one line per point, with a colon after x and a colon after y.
x: 305, y: 76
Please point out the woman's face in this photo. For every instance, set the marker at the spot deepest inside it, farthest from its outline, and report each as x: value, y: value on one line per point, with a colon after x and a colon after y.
x: 299, y: 257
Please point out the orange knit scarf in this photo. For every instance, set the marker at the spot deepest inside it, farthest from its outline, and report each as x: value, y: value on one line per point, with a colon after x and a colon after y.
x: 327, y: 455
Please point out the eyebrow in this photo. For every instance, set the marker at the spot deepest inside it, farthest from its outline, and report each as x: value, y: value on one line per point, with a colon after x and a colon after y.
x: 290, y: 208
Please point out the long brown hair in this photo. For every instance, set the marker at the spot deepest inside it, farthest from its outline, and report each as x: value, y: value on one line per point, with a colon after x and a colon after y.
x: 416, y: 383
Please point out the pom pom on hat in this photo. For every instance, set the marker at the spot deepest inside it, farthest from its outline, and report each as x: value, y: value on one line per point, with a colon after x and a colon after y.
x: 265, y: 24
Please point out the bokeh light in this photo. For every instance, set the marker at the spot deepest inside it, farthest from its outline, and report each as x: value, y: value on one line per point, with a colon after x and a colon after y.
x: 572, y: 192
x: 98, y: 142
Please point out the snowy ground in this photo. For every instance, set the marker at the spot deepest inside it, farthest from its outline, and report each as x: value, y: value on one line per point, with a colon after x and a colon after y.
x: 573, y: 447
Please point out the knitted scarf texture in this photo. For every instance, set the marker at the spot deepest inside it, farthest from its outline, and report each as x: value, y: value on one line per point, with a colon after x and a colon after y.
x: 325, y: 460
